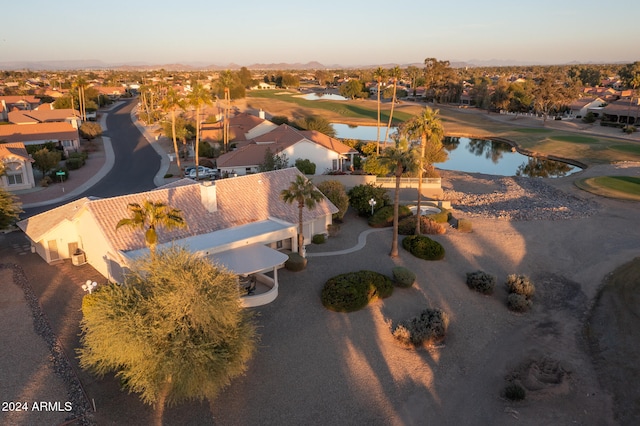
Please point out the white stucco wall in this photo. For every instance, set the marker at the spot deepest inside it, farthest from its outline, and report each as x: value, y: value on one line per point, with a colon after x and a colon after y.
x: 321, y: 156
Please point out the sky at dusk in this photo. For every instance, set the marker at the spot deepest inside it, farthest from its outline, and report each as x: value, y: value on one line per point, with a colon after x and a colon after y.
x: 347, y: 32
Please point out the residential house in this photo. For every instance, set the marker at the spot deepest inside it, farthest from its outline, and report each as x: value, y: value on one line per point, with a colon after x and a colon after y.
x: 624, y: 111
x: 45, y: 113
x: 62, y: 134
x: 9, y: 103
x: 327, y: 153
x: 242, y: 127
x: 580, y: 107
x: 240, y: 222
x: 113, y: 92
x: 18, y: 172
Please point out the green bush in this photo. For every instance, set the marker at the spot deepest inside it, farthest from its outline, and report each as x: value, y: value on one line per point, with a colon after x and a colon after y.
x: 336, y: 193
x: 306, y: 166
x: 403, y: 277
x: 384, y: 217
x: 354, y: 290
x: 55, y: 178
x: 629, y: 129
x: 318, y: 239
x: 423, y: 247
x: 514, y: 392
x: 464, y: 225
x: 429, y: 327
x: 518, y: 303
x: 481, y: 282
x: 74, y: 163
x: 520, y: 284
x: 407, y: 226
x: 441, y: 217
x: 295, y: 262
x: 360, y: 195
x: 589, y: 117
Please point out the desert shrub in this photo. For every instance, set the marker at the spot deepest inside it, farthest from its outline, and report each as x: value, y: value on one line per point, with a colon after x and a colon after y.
x: 407, y: 226
x: 629, y: 129
x: 354, y: 290
x: 57, y: 179
x: 423, y: 247
x: 520, y: 284
x: 333, y: 229
x: 481, y: 282
x: 518, y: 303
x: 430, y: 326
x: 82, y: 155
x: 360, y: 195
x: 45, y: 181
x: 168, y: 175
x: 464, y: 225
x: 589, y: 117
x: 403, y: 277
x: 318, y: 239
x: 384, y: 217
x: 514, y: 392
x: 74, y: 163
x: 295, y: 262
x: 441, y: 217
x: 336, y: 193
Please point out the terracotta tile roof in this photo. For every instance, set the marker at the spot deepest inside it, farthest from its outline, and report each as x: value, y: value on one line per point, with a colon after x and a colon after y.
x: 36, y: 132
x: 239, y: 126
x: 240, y: 200
x: 249, y: 155
x: 328, y: 142
x: 10, y: 100
x: 42, y: 116
x: 36, y: 227
x: 15, y: 149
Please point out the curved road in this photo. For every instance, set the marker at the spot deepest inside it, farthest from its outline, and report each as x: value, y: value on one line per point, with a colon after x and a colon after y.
x: 136, y: 162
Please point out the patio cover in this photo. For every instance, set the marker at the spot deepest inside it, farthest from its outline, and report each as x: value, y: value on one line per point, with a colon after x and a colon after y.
x: 250, y: 259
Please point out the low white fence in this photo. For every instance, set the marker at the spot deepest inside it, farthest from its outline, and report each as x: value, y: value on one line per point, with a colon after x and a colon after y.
x: 349, y: 181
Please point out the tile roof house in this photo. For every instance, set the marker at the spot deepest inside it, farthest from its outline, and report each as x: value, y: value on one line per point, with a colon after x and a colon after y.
x: 239, y: 222
x: 17, y: 166
x: 623, y: 111
x: 242, y: 127
x: 9, y: 103
x: 580, y: 107
x: 46, y: 115
x: 326, y: 152
x: 63, y: 134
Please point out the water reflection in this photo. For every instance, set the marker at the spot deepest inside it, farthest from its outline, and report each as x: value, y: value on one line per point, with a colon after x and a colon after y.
x: 498, y: 158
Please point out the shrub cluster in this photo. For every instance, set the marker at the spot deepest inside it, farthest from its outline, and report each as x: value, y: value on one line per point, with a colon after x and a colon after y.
x: 295, y: 262
x: 481, y: 282
x: 360, y: 195
x: 514, y: 392
x: 429, y: 327
x: 403, y: 277
x: 76, y: 160
x: 407, y: 226
x: 354, y: 290
x: 423, y: 247
x: 442, y: 217
x: 384, y: 217
x: 337, y: 194
x: 521, y: 291
x: 318, y: 239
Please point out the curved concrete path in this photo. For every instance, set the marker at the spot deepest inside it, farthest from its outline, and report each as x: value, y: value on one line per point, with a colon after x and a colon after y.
x: 362, y: 241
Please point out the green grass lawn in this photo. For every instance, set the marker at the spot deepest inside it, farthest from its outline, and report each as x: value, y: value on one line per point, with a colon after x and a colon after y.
x: 532, y: 130
x: 632, y: 149
x: 622, y: 187
x: 574, y: 139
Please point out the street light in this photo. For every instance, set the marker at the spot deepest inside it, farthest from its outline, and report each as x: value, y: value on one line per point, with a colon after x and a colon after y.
x: 372, y: 203
x: 89, y: 286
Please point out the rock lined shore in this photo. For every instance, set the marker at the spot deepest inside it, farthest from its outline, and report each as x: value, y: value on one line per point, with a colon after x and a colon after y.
x: 519, y: 198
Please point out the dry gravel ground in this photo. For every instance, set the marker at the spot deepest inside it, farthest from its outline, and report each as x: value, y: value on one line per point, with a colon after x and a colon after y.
x: 317, y: 367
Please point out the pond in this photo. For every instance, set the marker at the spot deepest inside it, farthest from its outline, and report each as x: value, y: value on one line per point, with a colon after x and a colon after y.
x: 498, y: 158
x: 363, y: 133
x: 325, y: 97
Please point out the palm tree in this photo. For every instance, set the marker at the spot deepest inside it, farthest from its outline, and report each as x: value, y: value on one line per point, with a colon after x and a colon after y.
x: 428, y: 127
x: 149, y: 216
x: 198, y: 98
x: 80, y: 84
x: 225, y: 81
x: 379, y: 75
x: 305, y: 193
x: 395, y: 73
x: 398, y: 159
x: 172, y: 102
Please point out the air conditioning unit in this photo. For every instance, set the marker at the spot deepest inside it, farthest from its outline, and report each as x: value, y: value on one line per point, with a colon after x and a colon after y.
x: 78, y: 258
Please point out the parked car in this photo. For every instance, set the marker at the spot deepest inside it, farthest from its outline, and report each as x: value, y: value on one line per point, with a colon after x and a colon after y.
x: 203, y: 172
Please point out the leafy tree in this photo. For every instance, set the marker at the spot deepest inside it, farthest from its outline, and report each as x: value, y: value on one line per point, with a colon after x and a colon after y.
x: 414, y: 73
x: 280, y: 119
x: 273, y: 161
x: 399, y: 159
x: 306, y: 195
x: 90, y: 130
x: 360, y: 195
x: 175, y: 331
x: 63, y: 102
x: 501, y: 97
x: 428, y: 127
x: 244, y: 75
x: 306, y: 166
x: 45, y: 160
x: 317, y: 123
x: 352, y: 89
x: 336, y: 193
x: 172, y: 102
x: 290, y: 80
x: 149, y: 216
x: 9, y: 205
x: 373, y: 166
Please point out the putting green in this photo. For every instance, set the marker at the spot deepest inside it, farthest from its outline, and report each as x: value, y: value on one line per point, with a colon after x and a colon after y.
x: 574, y: 139
x: 632, y: 149
x: 621, y: 187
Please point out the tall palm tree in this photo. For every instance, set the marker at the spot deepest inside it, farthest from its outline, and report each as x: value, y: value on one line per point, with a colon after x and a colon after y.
x: 398, y: 159
x: 198, y: 98
x: 80, y: 84
x: 428, y: 127
x: 304, y: 193
x: 225, y: 81
x: 149, y: 216
x: 172, y: 102
x: 395, y: 73
x: 379, y: 75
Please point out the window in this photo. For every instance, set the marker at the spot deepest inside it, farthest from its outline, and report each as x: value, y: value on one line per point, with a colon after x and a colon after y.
x: 14, y: 179
x: 14, y: 173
